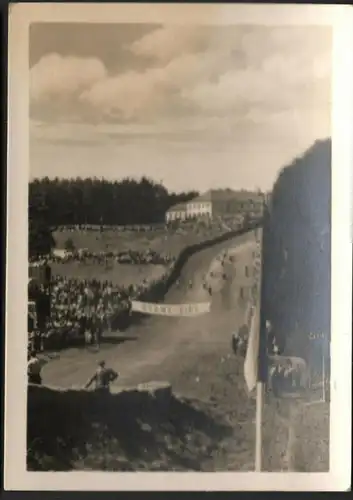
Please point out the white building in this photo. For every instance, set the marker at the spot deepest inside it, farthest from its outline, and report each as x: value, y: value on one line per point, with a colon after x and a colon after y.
x: 218, y: 202
x: 176, y: 212
x: 199, y: 207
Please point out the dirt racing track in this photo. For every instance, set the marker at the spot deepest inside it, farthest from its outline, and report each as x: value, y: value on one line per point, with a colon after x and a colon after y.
x: 209, y: 421
x: 161, y: 348
x: 208, y: 424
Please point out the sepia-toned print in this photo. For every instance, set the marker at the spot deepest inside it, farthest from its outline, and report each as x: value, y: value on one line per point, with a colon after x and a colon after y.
x: 178, y: 296
x: 178, y: 220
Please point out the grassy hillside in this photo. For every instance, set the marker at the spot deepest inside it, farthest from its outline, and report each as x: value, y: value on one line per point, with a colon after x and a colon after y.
x: 79, y: 430
x: 159, y: 241
x: 133, y: 431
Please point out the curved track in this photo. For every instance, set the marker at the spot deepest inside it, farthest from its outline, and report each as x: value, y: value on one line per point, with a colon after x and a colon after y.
x: 161, y: 348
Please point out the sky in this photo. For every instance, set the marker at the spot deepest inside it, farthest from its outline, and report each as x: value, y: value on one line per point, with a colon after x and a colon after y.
x: 194, y: 107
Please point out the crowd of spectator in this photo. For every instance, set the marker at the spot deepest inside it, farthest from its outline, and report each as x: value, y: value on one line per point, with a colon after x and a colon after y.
x: 207, y: 226
x: 220, y: 223
x: 99, y: 228
x: 79, y: 307
x: 104, y: 257
x: 174, y: 234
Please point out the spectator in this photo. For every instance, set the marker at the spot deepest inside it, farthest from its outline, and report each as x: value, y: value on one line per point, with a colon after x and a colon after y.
x: 102, y: 378
x: 80, y: 306
x: 34, y: 368
x: 107, y: 258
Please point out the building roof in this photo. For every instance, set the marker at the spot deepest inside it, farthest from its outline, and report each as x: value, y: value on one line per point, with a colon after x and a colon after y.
x: 226, y: 194
x: 203, y: 197
x: 218, y: 195
x: 177, y: 208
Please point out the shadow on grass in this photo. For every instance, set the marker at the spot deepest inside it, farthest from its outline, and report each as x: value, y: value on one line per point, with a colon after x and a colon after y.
x: 121, y: 433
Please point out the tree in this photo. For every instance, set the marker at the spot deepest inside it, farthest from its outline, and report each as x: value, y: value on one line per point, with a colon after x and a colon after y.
x: 98, y: 201
x: 41, y: 241
x: 298, y: 250
x: 40, y: 238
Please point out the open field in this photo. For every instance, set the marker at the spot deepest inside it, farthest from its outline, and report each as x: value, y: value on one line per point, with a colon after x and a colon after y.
x: 195, y: 356
x: 171, y: 242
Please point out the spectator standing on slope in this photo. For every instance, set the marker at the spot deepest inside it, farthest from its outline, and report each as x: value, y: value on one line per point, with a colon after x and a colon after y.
x: 34, y: 368
x: 102, y: 378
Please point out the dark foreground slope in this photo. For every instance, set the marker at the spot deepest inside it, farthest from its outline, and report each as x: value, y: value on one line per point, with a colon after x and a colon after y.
x: 131, y: 430
x: 136, y: 431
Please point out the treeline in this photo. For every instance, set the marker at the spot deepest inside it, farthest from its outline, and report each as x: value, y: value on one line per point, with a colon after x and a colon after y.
x: 40, y: 237
x: 61, y: 202
x: 297, y: 248
x: 96, y: 201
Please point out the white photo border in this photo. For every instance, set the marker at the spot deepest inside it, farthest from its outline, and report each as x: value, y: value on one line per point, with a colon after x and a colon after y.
x: 16, y: 477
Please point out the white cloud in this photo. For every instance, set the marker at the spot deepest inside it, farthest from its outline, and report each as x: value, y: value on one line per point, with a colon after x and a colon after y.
x: 211, y: 106
x: 169, y: 42
x: 230, y: 71
x: 280, y: 82
x: 220, y: 70
x: 55, y: 75
x: 128, y: 95
x: 136, y: 95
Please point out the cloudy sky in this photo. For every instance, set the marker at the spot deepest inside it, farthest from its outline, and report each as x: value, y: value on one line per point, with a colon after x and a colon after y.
x: 195, y: 107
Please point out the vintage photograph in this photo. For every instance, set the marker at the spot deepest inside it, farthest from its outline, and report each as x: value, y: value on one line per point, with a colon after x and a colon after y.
x: 179, y: 247
x: 170, y: 177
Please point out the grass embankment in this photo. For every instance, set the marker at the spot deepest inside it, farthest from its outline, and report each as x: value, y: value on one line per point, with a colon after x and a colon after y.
x: 311, y: 429
x: 160, y: 241
x: 76, y: 430
x: 211, y: 429
x: 171, y: 242
x: 299, y: 438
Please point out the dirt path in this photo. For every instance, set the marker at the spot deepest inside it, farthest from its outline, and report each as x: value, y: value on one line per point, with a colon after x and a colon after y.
x: 172, y: 349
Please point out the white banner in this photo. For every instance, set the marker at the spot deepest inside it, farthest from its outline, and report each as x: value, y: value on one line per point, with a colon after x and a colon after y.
x: 170, y: 309
x: 252, y: 352
x: 253, y: 317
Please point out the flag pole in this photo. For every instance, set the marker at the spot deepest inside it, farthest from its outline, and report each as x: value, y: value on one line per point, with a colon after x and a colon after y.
x: 323, y: 374
x: 258, y: 430
x: 255, y: 364
x: 262, y: 354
